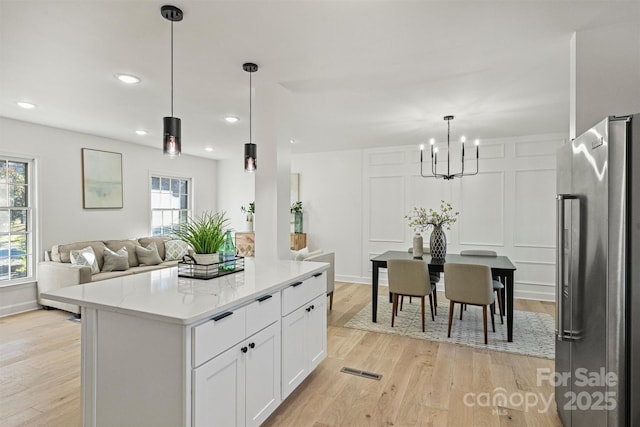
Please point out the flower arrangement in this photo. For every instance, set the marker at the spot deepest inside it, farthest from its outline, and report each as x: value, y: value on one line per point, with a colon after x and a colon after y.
x: 296, y: 207
x: 251, y: 209
x: 420, y: 219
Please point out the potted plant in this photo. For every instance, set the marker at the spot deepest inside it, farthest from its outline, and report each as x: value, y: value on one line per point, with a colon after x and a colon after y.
x: 205, y: 234
x: 250, y: 211
x: 420, y: 220
x: 296, y: 211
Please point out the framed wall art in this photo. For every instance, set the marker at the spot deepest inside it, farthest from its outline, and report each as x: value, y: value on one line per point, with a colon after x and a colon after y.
x: 101, y: 179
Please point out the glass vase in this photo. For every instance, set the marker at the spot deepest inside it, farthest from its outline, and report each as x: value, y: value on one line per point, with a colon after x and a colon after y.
x: 297, y: 222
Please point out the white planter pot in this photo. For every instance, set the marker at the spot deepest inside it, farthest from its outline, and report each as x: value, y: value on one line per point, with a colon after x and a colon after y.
x: 204, y: 259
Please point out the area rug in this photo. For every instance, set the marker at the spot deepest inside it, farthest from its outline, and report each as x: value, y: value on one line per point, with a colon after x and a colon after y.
x: 533, y: 333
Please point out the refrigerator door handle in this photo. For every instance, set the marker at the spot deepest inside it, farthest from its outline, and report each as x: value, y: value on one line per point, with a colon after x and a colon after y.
x: 560, y: 266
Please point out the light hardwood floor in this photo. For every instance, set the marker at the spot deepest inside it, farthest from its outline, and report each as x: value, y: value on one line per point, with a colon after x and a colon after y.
x: 424, y: 383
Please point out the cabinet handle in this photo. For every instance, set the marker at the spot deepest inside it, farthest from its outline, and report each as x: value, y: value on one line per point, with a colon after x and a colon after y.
x: 296, y: 284
x: 309, y: 309
x: 252, y: 345
x: 244, y: 349
x: 222, y: 316
x: 264, y: 298
x: 313, y: 306
x: 317, y: 275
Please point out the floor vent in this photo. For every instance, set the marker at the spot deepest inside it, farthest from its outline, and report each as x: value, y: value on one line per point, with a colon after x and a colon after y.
x: 360, y: 373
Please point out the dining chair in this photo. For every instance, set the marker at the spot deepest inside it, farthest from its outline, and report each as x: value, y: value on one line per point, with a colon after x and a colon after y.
x: 469, y: 284
x: 498, y: 286
x: 409, y: 277
x: 434, y: 277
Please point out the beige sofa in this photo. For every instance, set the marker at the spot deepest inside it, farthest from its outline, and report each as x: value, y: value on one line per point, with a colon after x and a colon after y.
x: 56, y: 271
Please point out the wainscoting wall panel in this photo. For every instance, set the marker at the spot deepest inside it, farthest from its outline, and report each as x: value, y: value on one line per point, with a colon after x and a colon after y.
x: 507, y: 207
x: 482, y: 211
x: 387, y: 158
x: 387, y: 202
x: 534, y: 214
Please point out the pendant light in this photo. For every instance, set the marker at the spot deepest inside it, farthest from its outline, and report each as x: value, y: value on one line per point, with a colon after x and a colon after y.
x: 250, y: 149
x: 171, y: 144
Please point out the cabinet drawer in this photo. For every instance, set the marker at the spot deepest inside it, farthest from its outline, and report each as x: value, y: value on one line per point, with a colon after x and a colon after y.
x: 218, y: 334
x: 300, y: 293
x: 262, y: 312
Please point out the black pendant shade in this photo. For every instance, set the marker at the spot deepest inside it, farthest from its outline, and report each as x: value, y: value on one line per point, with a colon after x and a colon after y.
x: 171, y: 146
x: 250, y: 157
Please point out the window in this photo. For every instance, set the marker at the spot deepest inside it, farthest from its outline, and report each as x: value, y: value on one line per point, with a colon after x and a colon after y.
x: 170, y: 203
x: 16, y: 220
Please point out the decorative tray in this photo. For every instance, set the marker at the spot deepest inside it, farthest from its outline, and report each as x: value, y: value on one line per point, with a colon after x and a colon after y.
x: 188, y: 268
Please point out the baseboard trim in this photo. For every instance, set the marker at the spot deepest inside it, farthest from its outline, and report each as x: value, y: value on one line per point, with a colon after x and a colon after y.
x: 10, y: 310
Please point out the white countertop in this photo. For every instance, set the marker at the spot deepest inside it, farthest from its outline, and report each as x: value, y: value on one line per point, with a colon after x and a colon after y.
x: 162, y: 295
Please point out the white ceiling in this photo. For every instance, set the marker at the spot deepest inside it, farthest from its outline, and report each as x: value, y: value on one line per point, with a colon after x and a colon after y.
x: 361, y: 73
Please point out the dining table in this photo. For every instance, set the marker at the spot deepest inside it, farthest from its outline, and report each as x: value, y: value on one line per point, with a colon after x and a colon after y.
x: 501, y: 268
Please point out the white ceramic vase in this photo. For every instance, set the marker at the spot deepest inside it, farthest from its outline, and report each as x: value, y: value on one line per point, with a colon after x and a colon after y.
x: 417, y: 245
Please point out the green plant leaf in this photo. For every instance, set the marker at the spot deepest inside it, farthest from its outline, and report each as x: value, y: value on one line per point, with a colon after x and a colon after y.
x: 205, y: 233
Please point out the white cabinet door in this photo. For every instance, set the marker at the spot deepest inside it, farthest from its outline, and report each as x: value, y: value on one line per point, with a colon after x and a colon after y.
x: 316, y: 336
x: 294, y: 366
x: 262, y: 374
x: 219, y: 384
x: 304, y: 343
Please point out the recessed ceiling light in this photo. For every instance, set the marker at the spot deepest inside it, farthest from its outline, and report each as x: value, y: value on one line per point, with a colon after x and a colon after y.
x: 26, y: 105
x: 128, y: 78
x: 231, y: 119
x: 141, y: 132
x: 208, y: 149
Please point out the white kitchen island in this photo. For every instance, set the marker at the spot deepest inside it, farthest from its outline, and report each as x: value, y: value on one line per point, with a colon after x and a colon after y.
x: 163, y: 350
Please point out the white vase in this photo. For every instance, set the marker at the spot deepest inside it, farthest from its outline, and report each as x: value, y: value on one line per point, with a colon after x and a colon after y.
x: 417, y: 245
x: 248, y: 223
x: 206, y: 259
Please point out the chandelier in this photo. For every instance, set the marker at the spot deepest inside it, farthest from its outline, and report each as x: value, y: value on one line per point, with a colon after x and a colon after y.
x: 434, y: 157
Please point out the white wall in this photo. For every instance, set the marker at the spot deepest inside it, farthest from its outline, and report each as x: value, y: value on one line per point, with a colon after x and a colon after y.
x: 59, y: 188
x: 236, y: 188
x: 331, y: 195
x: 605, y: 75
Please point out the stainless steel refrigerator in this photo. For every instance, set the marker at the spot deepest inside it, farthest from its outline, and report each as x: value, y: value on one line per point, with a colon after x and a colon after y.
x: 597, y: 374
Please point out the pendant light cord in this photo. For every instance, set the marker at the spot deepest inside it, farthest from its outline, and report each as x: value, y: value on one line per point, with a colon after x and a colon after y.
x: 171, y: 68
x: 250, y: 109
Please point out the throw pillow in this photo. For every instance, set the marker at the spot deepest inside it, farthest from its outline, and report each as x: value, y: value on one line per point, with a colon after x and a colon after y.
x: 85, y: 256
x: 115, y: 261
x: 148, y: 255
x: 300, y: 254
x: 175, y: 250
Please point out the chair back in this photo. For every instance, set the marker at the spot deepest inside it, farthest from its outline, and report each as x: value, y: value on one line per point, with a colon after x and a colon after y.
x: 408, y: 277
x: 468, y: 283
x: 478, y: 252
